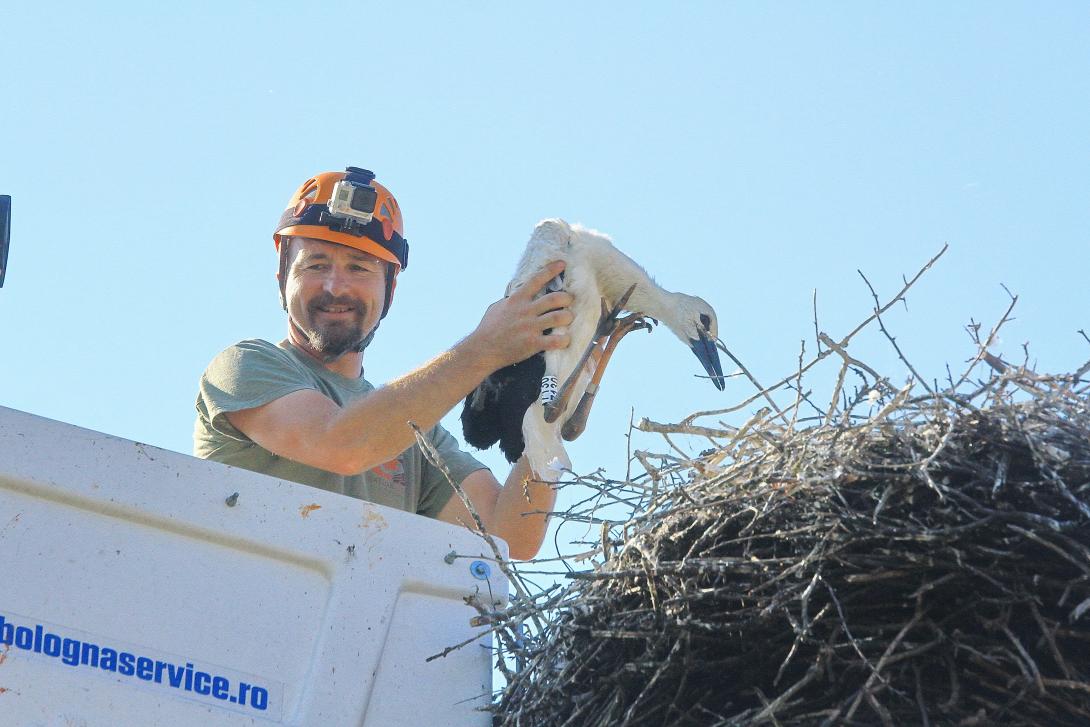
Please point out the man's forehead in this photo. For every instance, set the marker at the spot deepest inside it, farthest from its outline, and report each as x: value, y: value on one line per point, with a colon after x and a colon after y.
x: 311, y: 246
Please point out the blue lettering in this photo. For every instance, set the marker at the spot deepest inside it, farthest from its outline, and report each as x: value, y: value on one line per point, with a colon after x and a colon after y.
x: 51, y: 646
x: 74, y: 652
x: 220, y: 685
x: 24, y: 638
x: 174, y: 675
x: 143, y: 668
x: 200, y: 683
x: 89, y: 654
x: 70, y: 652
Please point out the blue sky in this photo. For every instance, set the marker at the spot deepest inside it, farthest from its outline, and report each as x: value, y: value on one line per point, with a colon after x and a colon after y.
x: 749, y: 153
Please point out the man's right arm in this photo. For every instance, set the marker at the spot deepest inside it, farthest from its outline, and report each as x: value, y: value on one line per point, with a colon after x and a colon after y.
x: 308, y: 427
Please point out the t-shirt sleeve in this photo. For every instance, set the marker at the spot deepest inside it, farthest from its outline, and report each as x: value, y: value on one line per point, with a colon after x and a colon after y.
x: 435, y: 489
x: 247, y: 375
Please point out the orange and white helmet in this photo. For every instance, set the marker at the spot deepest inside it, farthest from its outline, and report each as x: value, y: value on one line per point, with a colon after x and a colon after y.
x: 348, y: 208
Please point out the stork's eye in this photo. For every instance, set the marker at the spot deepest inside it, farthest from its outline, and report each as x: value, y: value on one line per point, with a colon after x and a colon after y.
x: 706, y: 321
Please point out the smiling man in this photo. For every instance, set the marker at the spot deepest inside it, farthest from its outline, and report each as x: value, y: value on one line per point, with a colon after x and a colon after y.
x: 302, y: 410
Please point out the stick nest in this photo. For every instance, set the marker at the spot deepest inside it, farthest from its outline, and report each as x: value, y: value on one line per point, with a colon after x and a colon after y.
x: 925, y: 563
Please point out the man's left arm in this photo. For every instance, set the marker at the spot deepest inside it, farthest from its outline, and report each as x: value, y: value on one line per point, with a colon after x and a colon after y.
x: 518, y: 511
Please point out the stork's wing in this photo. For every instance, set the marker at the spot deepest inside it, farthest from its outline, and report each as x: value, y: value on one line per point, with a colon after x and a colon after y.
x: 493, y: 411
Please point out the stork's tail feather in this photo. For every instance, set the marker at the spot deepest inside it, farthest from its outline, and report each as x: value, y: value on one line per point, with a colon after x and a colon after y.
x: 493, y: 411
x: 479, y: 428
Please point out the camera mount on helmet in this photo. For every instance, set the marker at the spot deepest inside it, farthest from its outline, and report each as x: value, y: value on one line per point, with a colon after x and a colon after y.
x: 353, y: 200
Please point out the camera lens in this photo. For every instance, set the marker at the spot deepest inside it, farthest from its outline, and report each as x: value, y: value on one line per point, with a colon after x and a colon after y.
x: 363, y: 199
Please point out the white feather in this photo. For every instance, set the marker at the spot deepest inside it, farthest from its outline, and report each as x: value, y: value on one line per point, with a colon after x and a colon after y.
x: 594, y: 270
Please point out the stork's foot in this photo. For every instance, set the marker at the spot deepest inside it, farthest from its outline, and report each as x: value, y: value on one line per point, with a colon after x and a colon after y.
x: 577, y: 422
x: 607, y: 324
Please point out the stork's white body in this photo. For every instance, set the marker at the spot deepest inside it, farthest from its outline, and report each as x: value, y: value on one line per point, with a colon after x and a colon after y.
x: 595, y: 271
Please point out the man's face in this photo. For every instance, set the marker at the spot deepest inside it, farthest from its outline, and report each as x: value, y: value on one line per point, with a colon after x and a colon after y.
x: 334, y: 294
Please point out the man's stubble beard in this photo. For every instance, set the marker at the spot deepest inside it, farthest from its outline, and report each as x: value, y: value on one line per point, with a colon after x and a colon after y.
x: 336, y: 338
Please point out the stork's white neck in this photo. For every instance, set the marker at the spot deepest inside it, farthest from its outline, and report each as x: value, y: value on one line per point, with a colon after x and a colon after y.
x: 616, y: 272
x: 669, y: 308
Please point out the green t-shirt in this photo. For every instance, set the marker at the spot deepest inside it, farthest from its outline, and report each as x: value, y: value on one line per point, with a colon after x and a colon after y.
x: 252, y: 373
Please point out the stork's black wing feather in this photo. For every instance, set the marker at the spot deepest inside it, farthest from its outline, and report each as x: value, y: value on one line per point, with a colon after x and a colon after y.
x: 493, y: 411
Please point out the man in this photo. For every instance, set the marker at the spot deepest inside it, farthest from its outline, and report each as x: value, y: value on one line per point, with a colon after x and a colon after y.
x: 302, y: 410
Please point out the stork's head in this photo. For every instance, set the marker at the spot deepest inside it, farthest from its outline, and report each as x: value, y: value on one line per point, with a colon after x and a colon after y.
x: 694, y: 322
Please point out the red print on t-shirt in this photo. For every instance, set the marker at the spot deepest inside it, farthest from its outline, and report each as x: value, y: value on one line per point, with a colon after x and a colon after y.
x: 391, y: 471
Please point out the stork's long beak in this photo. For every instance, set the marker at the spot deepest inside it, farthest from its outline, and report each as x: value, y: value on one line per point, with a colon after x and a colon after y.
x: 704, y: 349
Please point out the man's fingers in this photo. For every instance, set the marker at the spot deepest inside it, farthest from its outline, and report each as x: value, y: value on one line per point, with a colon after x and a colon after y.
x: 540, y: 279
x: 556, y: 318
x: 521, y: 319
x: 553, y: 301
x: 556, y: 340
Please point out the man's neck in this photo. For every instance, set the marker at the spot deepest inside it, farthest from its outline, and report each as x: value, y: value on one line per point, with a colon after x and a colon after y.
x: 349, y: 365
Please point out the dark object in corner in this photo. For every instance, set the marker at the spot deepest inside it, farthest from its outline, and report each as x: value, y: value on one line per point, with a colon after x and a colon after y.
x: 5, y: 234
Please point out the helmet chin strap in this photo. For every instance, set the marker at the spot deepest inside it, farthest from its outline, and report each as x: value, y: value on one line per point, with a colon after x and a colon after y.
x: 367, y: 339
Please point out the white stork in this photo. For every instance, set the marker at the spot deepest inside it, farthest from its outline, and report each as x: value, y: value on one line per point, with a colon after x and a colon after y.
x: 527, y: 406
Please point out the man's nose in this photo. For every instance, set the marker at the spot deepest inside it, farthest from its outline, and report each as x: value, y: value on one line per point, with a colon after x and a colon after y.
x: 334, y: 281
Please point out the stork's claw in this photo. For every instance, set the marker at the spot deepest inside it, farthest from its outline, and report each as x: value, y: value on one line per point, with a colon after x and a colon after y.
x: 607, y: 323
x: 577, y: 422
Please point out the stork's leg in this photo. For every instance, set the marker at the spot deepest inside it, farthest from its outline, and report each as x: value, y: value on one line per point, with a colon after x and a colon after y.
x: 544, y: 451
x: 559, y: 403
x: 577, y: 422
x: 606, y: 324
